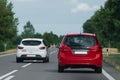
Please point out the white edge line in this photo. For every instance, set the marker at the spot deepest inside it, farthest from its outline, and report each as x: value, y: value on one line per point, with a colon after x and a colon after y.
x: 9, y: 78
x: 8, y: 74
x: 107, y: 75
x: 26, y: 65
x: 7, y: 54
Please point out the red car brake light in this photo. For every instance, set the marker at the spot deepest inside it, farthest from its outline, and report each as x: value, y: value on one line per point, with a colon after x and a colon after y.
x: 20, y: 47
x: 96, y: 48
x: 65, y: 48
x: 41, y: 48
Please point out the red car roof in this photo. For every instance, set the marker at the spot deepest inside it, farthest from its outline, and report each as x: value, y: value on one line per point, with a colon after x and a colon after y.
x: 84, y: 34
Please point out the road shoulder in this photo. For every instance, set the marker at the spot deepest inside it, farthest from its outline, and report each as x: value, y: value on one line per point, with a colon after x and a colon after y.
x: 110, y: 70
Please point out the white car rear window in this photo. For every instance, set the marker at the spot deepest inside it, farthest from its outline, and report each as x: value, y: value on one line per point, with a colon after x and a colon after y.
x: 31, y: 42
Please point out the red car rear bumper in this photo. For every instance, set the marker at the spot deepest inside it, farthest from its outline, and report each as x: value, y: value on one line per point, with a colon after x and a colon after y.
x: 80, y: 61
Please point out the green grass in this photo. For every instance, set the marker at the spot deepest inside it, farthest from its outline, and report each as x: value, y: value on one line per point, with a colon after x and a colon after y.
x: 113, y: 60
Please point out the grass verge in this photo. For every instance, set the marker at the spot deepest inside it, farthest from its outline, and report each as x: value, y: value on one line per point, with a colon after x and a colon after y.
x: 8, y: 51
x: 113, y: 60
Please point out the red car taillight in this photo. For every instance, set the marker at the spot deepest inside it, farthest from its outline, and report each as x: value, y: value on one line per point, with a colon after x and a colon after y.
x: 96, y: 48
x: 20, y: 47
x: 41, y: 48
x: 65, y: 48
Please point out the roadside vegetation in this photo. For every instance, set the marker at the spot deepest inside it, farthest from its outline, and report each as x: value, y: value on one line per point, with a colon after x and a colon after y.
x: 9, y: 37
x: 113, y: 60
x: 112, y: 57
x: 105, y: 23
x: 8, y: 51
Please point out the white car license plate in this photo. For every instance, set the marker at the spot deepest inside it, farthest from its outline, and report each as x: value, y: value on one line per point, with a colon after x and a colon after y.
x: 80, y: 52
x: 30, y: 55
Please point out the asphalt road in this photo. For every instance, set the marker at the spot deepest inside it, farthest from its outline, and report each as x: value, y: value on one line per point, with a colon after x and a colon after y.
x: 36, y: 70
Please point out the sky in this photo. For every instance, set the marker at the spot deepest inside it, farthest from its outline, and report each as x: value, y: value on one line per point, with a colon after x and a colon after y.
x: 59, y: 16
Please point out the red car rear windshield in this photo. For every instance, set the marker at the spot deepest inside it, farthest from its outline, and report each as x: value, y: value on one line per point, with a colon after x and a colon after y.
x: 79, y: 41
x: 31, y: 43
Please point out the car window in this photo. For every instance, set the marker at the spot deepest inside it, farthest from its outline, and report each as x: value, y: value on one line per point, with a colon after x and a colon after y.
x: 80, y: 41
x: 31, y: 43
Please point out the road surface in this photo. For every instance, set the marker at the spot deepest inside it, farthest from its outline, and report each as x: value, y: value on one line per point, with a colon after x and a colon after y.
x: 36, y: 70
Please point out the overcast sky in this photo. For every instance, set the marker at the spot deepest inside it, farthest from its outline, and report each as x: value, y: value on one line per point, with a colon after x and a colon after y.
x: 59, y: 16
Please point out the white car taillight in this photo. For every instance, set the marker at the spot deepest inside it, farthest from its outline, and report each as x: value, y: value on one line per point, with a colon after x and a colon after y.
x: 20, y: 47
x: 41, y: 48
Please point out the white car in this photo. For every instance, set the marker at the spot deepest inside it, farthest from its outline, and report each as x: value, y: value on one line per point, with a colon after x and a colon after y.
x: 32, y: 49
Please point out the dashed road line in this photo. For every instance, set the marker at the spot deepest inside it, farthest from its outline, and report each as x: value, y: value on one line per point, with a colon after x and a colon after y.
x: 9, y: 78
x: 26, y: 65
x: 107, y: 75
x: 1, y: 77
x: 7, y: 75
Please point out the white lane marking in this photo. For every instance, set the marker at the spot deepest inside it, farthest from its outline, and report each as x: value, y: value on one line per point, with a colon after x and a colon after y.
x: 8, y: 74
x: 107, y: 75
x: 7, y: 54
x: 26, y: 65
x: 53, y: 52
x: 9, y: 78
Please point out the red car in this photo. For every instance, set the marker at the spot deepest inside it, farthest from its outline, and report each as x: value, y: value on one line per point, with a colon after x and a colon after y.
x: 80, y: 51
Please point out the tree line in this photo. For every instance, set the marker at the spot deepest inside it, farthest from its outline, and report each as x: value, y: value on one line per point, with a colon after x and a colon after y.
x: 106, y: 24
x: 49, y: 37
x: 8, y: 25
x: 8, y: 29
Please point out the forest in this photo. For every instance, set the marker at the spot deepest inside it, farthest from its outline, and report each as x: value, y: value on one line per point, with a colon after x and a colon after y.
x: 105, y: 23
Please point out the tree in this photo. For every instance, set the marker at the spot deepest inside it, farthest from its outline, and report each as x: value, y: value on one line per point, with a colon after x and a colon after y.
x: 8, y: 24
x: 106, y: 23
x: 38, y: 35
x: 50, y: 38
x: 29, y: 30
